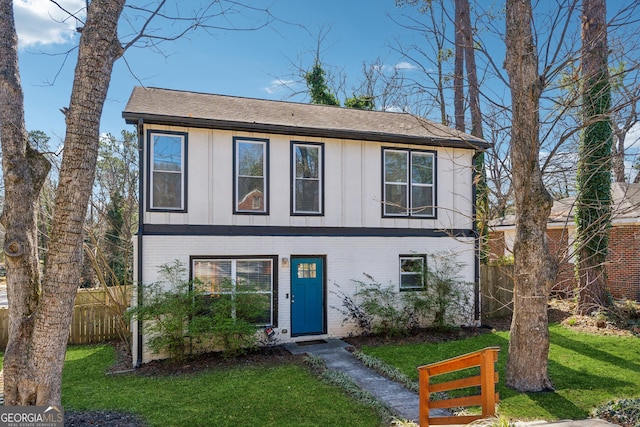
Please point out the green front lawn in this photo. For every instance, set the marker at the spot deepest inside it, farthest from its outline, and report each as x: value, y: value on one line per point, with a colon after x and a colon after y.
x: 587, y: 370
x: 284, y: 394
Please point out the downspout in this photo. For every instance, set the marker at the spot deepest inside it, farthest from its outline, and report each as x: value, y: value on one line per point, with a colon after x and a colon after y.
x: 140, y: 233
x: 476, y: 267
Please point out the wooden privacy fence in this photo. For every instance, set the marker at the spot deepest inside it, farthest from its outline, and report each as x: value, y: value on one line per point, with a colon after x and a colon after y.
x: 496, y: 291
x: 95, y: 317
x: 485, y: 359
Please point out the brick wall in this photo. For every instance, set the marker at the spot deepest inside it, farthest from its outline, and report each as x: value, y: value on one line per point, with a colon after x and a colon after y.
x: 623, y: 267
x: 623, y: 261
x: 559, y: 248
x: 497, y: 245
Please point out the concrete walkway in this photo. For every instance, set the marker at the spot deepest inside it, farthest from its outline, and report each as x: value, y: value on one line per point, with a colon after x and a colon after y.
x: 400, y: 400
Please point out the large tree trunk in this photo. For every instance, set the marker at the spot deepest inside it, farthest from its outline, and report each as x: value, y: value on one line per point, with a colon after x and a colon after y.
x: 458, y: 69
x: 25, y: 171
x: 40, y: 316
x: 463, y: 18
x: 533, y: 269
x: 593, y: 203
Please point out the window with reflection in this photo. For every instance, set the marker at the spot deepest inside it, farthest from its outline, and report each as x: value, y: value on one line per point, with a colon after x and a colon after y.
x: 250, y: 172
x: 409, y: 183
x: 307, y: 178
x: 412, y: 272
x: 247, y: 283
x: 167, y: 170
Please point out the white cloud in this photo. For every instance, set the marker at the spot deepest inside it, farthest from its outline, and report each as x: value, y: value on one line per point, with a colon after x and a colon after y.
x: 632, y: 139
x: 42, y: 22
x: 405, y: 66
x: 278, y: 84
x: 394, y: 109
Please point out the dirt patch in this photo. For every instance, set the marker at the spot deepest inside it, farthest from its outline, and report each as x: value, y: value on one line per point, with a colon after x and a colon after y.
x: 101, y: 418
x: 263, y: 356
x: 623, y: 319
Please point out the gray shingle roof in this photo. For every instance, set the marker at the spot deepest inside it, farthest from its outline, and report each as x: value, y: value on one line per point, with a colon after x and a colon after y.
x: 625, y: 206
x: 173, y: 107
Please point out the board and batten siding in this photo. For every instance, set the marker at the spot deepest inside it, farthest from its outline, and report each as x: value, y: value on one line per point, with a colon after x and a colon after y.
x: 348, y: 259
x: 352, y: 184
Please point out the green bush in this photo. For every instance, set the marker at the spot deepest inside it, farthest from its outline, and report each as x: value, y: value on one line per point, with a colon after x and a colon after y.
x: 388, y: 309
x: 384, y: 310
x: 447, y: 296
x: 179, y: 316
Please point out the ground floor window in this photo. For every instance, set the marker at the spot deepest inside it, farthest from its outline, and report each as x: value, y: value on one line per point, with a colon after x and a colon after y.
x: 247, y: 282
x: 412, y: 272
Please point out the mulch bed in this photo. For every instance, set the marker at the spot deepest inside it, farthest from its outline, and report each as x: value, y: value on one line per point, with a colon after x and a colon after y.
x: 101, y: 418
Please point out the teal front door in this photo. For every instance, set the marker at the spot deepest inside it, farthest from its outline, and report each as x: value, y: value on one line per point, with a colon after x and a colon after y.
x: 307, y: 296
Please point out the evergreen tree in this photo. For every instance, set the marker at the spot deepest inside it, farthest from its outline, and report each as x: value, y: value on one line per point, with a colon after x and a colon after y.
x: 318, y: 88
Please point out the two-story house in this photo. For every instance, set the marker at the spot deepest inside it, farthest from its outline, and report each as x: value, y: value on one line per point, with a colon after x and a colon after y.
x: 297, y: 198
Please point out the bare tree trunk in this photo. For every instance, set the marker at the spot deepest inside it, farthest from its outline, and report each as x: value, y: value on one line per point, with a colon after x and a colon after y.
x: 618, y: 155
x: 439, y: 39
x: 472, y: 71
x: 533, y: 269
x: 593, y: 203
x: 40, y: 316
x: 25, y: 171
x: 458, y: 70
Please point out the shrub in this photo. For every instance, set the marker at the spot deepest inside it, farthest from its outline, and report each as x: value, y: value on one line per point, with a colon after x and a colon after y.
x: 383, y: 310
x: 353, y: 312
x: 177, y: 314
x: 447, y: 295
x: 231, y: 328
x: 387, y: 308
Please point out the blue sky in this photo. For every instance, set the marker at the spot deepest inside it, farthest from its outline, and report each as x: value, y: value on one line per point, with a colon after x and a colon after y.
x: 240, y: 63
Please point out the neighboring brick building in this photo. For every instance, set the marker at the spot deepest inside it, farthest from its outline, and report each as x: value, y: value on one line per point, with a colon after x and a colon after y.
x: 623, y: 261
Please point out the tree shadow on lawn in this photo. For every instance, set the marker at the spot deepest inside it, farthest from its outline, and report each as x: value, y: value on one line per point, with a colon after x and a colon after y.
x: 572, y: 387
x: 580, y: 372
x: 592, y: 352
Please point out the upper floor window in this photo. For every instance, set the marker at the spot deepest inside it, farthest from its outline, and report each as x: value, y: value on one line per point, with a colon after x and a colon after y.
x: 250, y: 175
x: 307, y: 178
x: 409, y: 183
x: 167, y: 165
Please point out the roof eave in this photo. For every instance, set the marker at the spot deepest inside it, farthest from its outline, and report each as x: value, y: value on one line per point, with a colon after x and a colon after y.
x: 132, y: 118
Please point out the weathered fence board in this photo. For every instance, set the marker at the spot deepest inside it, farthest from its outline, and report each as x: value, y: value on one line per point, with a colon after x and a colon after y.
x: 496, y: 288
x: 95, y: 318
x: 93, y: 323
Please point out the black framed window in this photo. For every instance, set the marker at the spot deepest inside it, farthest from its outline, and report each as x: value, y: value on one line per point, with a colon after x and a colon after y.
x: 167, y: 170
x: 307, y: 178
x: 409, y: 187
x: 247, y: 282
x: 412, y: 272
x: 251, y: 175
